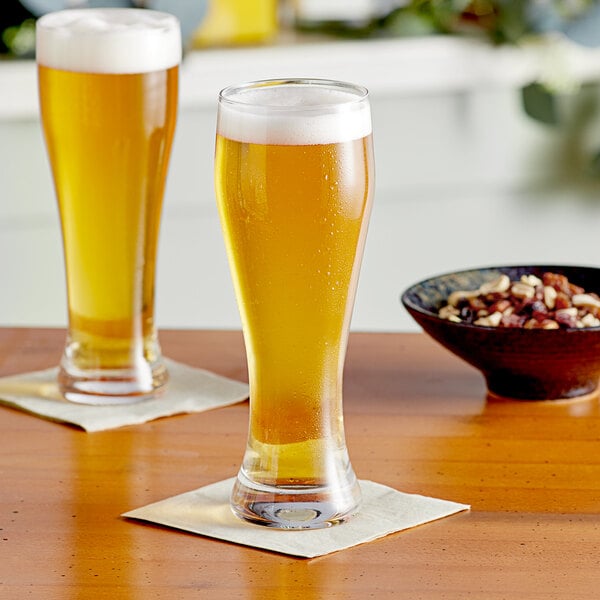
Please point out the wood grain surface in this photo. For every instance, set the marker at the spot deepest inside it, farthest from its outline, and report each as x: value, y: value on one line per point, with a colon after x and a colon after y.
x: 417, y: 419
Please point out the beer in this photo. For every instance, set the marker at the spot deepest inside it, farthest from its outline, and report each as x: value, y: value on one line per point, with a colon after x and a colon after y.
x: 108, y: 82
x: 294, y: 196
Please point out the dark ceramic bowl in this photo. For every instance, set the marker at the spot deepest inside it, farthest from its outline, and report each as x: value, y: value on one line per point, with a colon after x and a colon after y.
x: 525, y: 364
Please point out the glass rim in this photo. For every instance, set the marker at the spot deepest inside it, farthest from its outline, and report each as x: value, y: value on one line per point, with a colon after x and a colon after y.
x: 231, y: 94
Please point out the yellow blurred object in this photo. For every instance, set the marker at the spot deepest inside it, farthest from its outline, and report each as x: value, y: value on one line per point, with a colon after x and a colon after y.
x: 234, y: 22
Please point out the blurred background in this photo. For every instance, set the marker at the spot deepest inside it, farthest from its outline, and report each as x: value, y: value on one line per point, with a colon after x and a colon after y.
x: 486, y: 128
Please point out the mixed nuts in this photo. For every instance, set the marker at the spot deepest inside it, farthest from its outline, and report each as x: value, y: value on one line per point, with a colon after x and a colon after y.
x: 551, y: 302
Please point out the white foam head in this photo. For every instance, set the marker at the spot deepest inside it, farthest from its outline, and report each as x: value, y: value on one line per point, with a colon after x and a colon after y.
x: 300, y: 112
x: 109, y: 40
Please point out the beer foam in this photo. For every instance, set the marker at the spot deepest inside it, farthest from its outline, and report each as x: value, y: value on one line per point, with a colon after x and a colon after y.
x: 110, y: 40
x: 279, y: 114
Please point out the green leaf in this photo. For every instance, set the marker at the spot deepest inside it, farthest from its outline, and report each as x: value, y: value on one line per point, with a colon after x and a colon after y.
x: 540, y: 104
x: 406, y: 23
x: 20, y: 39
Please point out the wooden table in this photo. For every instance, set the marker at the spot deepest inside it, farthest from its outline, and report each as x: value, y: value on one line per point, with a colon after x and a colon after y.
x: 417, y: 419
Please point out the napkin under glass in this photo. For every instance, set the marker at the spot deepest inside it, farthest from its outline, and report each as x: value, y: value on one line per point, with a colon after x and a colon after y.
x: 206, y: 512
x: 189, y: 390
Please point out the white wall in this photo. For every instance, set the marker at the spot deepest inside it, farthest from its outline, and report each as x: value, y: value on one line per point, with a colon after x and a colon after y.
x: 463, y: 179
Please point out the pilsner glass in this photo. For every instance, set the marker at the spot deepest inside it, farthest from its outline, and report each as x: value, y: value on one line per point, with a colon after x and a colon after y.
x: 294, y: 180
x: 108, y: 82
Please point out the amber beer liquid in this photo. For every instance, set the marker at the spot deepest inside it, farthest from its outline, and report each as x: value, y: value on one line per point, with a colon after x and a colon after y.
x: 294, y: 189
x: 108, y: 82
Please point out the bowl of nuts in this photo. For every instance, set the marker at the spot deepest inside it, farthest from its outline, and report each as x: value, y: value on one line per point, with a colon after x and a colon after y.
x: 532, y: 331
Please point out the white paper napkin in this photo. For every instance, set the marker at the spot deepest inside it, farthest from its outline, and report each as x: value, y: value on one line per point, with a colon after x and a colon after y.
x: 206, y: 511
x: 189, y: 390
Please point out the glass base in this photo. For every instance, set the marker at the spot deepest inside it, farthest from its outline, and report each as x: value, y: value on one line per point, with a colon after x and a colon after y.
x: 294, y: 507
x: 101, y: 387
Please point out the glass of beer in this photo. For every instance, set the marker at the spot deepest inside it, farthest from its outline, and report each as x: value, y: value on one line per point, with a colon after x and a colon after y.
x: 108, y: 84
x: 294, y: 180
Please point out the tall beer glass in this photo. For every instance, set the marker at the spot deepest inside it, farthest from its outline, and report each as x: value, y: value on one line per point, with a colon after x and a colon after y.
x: 294, y: 179
x: 108, y: 81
